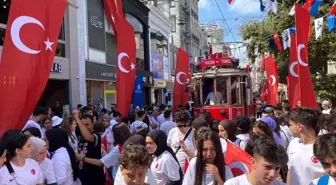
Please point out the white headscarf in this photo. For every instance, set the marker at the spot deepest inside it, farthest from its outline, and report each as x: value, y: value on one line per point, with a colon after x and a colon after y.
x: 37, y: 144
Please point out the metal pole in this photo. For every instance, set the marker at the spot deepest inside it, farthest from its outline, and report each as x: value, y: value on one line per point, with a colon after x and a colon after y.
x: 190, y: 36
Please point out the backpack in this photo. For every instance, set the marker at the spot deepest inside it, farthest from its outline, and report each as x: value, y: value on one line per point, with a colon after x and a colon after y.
x: 237, y: 142
x: 323, y: 180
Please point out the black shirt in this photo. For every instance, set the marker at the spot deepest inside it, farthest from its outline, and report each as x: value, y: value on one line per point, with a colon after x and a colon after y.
x: 91, y: 174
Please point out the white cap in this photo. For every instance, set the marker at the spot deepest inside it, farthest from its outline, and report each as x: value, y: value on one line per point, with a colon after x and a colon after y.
x: 56, y: 121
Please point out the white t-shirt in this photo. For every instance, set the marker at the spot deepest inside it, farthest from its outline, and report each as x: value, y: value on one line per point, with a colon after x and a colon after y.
x: 174, y: 141
x: 137, y: 124
x: 165, y: 168
x: 331, y: 181
x: 211, y: 97
x: 63, y: 169
x: 285, y: 136
x: 112, y: 159
x: 242, y: 180
x: 119, y: 179
x: 303, y: 165
x: 48, y: 171
x: 244, y: 139
x: 32, y: 123
x: 167, y: 126
x: 208, y: 179
x: 109, y: 135
x: 224, y: 146
x: 29, y: 174
x: 161, y: 118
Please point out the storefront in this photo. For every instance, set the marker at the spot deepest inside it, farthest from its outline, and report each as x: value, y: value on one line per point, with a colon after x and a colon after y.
x: 100, y: 84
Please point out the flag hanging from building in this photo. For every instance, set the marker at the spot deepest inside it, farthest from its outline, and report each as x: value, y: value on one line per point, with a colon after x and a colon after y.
x: 28, y: 54
x: 293, y: 76
x: 318, y: 27
x: 272, y: 5
x: 126, y: 52
x: 302, y: 24
x: 271, y: 74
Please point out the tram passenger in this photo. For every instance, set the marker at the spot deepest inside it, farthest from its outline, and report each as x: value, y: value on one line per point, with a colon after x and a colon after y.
x: 212, y: 99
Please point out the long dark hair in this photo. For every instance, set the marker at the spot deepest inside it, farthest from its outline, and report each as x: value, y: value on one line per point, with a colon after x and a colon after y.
x: 264, y: 128
x: 230, y: 128
x: 16, y: 139
x: 200, y: 162
x: 121, y: 133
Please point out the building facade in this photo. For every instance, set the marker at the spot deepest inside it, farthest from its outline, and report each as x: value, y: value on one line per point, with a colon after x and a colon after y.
x: 214, y: 37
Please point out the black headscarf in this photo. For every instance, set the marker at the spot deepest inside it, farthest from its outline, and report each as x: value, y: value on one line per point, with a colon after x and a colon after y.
x: 135, y: 140
x: 160, y: 139
x: 58, y: 138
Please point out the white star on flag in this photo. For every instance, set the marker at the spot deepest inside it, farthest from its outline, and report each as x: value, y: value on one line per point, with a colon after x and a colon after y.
x: 132, y: 66
x: 48, y: 45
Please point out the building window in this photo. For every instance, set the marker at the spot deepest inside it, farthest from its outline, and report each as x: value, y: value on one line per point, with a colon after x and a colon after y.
x: 173, y: 21
x: 172, y: 3
x: 60, y: 49
x: 139, y: 39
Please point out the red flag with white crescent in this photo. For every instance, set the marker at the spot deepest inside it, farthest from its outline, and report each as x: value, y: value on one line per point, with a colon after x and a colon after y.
x: 182, y: 78
x: 126, y: 52
x: 237, y: 160
x: 302, y: 24
x: 277, y: 41
x: 28, y: 54
x: 271, y: 74
x: 293, y: 76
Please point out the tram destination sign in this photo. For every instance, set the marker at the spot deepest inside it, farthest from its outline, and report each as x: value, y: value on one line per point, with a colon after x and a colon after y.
x: 215, y: 62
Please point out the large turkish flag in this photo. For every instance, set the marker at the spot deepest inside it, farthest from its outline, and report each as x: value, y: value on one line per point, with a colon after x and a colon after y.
x: 271, y: 74
x: 302, y: 24
x: 126, y: 52
x: 28, y: 53
x: 237, y: 160
x: 293, y: 76
x: 182, y: 78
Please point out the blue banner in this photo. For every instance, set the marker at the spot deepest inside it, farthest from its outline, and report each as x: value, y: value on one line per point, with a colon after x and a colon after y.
x: 137, y: 93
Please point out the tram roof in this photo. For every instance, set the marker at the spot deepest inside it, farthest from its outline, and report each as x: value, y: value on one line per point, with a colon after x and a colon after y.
x: 218, y: 71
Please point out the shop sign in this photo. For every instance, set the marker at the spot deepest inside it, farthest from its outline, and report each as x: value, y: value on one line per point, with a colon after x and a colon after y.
x: 107, y: 74
x: 56, y: 67
x: 160, y: 84
x: 100, y: 71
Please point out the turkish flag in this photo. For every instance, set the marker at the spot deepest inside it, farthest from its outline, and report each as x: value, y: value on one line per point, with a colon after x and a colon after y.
x: 277, y: 41
x: 302, y: 24
x: 271, y: 74
x: 262, y: 94
x: 182, y: 78
x: 237, y: 160
x: 293, y: 76
x: 28, y: 54
x: 126, y: 52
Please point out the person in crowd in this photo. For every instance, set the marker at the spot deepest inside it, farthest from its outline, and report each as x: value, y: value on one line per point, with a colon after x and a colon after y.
x: 136, y: 140
x: 268, y: 111
x: 106, y: 121
x: 134, y: 163
x: 208, y: 166
x: 285, y: 106
x: 153, y: 121
x: 165, y: 166
x: 211, y: 99
x: 89, y: 146
x: 113, y: 107
x: 156, y: 112
x: 326, y: 107
x: 3, y: 145
x: 187, y: 110
x: 243, y: 130
x: 32, y: 131
x: 49, y: 113
x: 58, y: 110
x: 70, y: 127
x: 325, y: 151
x: 285, y: 133
x: 121, y: 133
x: 20, y: 168
x: 268, y: 158
x: 227, y: 129
x: 125, y: 120
x: 38, y: 116
x: 39, y: 154
x: 303, y: 165
x: 160, y: 117
x: 64, y: 159
x: 134, y: 114
x: 272, y: 125
x: 87, y: 110
x: 167, y: 125
x: 142, y: 131
x: 323, y: 121
x: 180, y: 138
x: 108, y: 131
x: 139, y: 121
x: 46, y: 124
x: 260, y: 127
x: 198, y: 123
x: 79, y: 107
x: 56, y: 122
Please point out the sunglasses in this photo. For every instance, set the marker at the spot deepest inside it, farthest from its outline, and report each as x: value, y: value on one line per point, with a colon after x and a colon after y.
x: 181, y: 126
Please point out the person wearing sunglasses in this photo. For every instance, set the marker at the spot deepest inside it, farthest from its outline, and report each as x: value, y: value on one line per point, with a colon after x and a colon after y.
x: 180, y: 139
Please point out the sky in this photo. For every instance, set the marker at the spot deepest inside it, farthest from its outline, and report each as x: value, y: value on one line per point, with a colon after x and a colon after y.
x: 209, y: 13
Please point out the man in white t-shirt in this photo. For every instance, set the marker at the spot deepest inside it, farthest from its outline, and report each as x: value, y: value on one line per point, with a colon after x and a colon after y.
x: 303, y: 165
x: 325, y: 152
x: 212, y: 99
x: 268, y: 157
x: 38, y: 116
x: 167, y: 125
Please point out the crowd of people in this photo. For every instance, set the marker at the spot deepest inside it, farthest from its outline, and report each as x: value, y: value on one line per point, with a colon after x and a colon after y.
x: 155, y: 146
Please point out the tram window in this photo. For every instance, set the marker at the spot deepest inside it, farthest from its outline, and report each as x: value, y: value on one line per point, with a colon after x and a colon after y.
x: 214, y: 98
x: 221, y: 88
x: 234, y: 90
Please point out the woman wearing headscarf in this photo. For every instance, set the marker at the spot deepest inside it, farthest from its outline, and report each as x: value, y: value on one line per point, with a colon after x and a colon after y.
x: 64, y: 160
x: 39, y: 154
x: 135, y: 140
x: 272, y: 124
x: 165, y: 164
